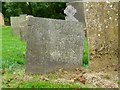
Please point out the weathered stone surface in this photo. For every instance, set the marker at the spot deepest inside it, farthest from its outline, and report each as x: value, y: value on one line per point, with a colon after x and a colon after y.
x: 1, y: 19
x: 15, y: 24
x: 53, y: 44
x: 102, y: 30
x: 23, y: 26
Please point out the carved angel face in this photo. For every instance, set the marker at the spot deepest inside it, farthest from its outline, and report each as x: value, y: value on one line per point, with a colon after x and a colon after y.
x: 70, y: 10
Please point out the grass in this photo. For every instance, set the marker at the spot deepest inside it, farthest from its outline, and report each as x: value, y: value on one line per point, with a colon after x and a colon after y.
x: 13, y: 50
x: 85, y: 54
x: 48, y: 84
x: 13, y: 62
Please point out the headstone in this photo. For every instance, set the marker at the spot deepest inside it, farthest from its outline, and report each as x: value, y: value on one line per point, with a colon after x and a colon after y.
x: 79, y: 15
x: 70, y: 12
x: 53, y: 44
x: 15, y: 24
x: 1, y: 19
x: 102, y: 29
x: 23, y: 26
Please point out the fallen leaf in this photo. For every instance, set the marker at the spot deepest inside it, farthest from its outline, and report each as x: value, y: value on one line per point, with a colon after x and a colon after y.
x: 82, y: 80
x: 44, y: 78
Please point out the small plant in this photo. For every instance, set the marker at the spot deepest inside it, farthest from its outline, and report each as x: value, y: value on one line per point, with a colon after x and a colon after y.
x: 85, y: 54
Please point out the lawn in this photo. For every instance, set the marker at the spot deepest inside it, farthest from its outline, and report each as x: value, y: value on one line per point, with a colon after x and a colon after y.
x: 13, y: 65
x: 13, y: 50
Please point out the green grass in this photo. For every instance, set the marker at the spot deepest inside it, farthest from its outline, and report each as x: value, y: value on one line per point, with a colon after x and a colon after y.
x: 85, y: 55
x: 13, y: 61
x: 48, y: 84
x: 13, y: 49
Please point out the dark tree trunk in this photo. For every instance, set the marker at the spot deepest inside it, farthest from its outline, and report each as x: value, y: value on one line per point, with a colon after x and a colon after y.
x: 30, y: 8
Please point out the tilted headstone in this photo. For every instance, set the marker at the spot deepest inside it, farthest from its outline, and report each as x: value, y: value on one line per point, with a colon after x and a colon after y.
x: 1, y: 19
x: 102, y: 29
x: 15, y: 24
x: 53, y: 44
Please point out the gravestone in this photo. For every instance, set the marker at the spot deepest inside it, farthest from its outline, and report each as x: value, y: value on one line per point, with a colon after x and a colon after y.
x: 102, y: 30
x: 70, y: 12
x: 15, y: 24
x: 23, y: 26
x: 53, y: 44
x: 1, y: 19
x: 79, y: 6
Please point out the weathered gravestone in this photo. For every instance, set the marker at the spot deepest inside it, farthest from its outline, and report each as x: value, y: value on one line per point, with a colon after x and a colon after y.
x: 23, y: 26
x: 53, y: 44
x: 15, y: 24
x: 1, y: 19
x: 102, y: 29
x: 20, y: 25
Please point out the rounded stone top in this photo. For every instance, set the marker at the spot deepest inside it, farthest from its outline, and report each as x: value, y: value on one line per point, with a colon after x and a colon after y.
x: 70, y: 10
x: 1, y: 14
